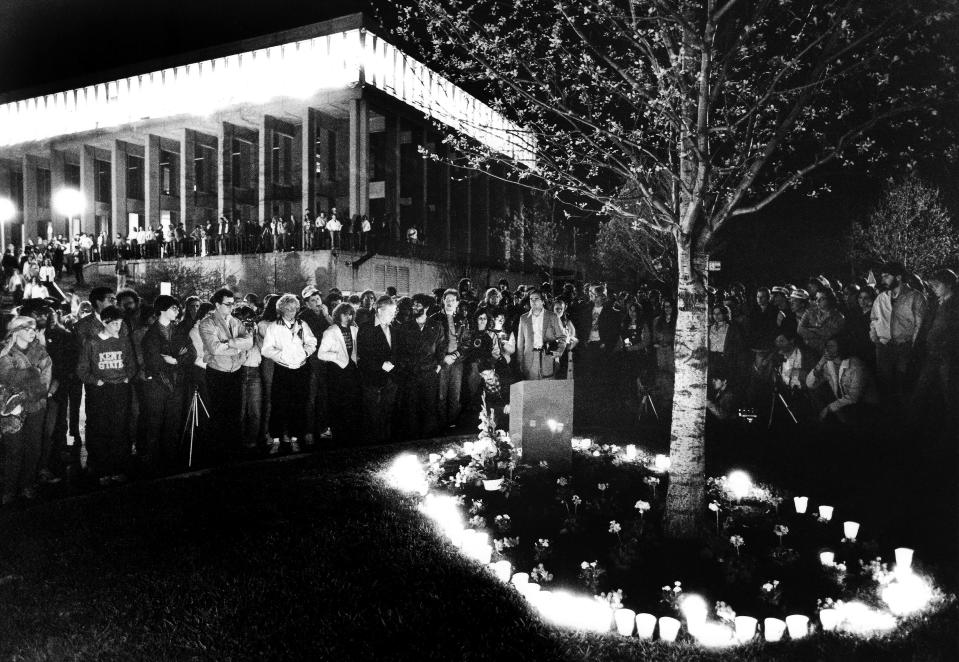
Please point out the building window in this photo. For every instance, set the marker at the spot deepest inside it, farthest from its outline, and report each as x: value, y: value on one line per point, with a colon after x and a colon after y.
x: 391, y: 276
x: 101, y: 180
x: 43, y: 187
x: 331, y: 155
x: 71, y: 175
x: 282, y: 159
x: 135, y: 174
x: 241, y: 164
x: 168, y: 176
x: 204, y: 169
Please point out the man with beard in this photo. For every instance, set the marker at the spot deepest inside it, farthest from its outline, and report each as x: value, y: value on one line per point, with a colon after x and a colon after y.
x: 896, y: 318
x: 421, y: 358
x: 455, y: 339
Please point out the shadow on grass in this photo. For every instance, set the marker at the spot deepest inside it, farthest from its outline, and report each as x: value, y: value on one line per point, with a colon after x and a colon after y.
x: 310, y: 558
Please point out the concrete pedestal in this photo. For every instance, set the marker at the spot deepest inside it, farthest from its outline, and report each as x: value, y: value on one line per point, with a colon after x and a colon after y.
x: 541, y: 422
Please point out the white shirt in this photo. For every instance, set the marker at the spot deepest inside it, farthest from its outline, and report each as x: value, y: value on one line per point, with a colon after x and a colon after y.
x: 288, y: 345
x: 537, y: 330
x: 791, y: 368
x: 386, y: 332
x: 594, y: 327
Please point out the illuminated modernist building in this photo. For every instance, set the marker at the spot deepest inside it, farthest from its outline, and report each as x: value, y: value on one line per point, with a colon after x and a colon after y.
x: 324, y: 115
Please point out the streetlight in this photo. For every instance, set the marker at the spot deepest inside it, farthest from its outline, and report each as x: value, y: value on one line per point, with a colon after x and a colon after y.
x: 8, y: 211
x: 69, y: 202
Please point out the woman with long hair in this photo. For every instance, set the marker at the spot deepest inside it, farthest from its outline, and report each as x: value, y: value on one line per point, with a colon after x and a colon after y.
x: 338, y: 349
x: 564, y: 371
x: 484, y: 346
x: 637, y: 343
x: 266, y: 365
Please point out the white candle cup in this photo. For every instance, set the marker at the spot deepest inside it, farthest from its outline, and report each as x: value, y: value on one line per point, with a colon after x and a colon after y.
x: 519, y: 579
x: 850, y: 530
x: 773, y: 629
x: 625, y: 619
x: 798, y: 625
x: 662, y: 463
x: 668, y: 628
x: 829, y: 619
x: 801, y: 503
x: 484, y: 553
x: 503, y: 570
x: 745, y: 628
x: 645, y: 625
x: 630, y: 451
x: 828, y: 559
x: 528, y: 589
x: 903, y: 558
x: 825, y: 512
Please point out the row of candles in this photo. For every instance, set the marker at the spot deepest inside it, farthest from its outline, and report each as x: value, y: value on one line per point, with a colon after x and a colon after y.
x: 906, y: 594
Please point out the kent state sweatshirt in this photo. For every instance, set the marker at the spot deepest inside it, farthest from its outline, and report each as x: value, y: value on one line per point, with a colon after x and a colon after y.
x: 109, y: 359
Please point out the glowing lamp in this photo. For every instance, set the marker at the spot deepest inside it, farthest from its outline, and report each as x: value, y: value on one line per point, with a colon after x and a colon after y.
x: 825, y: 512
x: 745, y: 628
x: 739, y: 484
x: 903, y: 558
x: 801, y: 504
x: 528, y: 589
x: 8, y: 211
x: 668, y: 628
x: 68, y: 202
x: 662, y: 463
x: 798, y: 625
x: 695, y: 610
x: 906, y: 594
x: 631, y: 452
x: 625, y: 619
x: 829, y: 619
x: 519, y: 579
x: 645, y: 624
x: 503, y: 570
x: 827, y: 558
x: 773, y: 629
x: 406, y: 474
x: 715, y: 635
x: 859, y: 618
x: 850, y: 530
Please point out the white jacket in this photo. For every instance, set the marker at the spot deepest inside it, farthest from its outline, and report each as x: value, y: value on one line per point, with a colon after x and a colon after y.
x: 288, y: 346
x: 333, y: 347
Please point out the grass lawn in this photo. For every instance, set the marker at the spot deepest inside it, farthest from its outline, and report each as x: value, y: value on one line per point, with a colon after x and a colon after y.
x: 307, y: 557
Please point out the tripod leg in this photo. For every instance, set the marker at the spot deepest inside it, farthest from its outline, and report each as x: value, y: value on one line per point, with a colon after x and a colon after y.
x: 652, y: 405
x: 788, y: 410
x: 772, y: 409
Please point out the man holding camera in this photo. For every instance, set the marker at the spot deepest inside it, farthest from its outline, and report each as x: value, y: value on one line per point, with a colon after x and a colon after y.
x: 540, y: 341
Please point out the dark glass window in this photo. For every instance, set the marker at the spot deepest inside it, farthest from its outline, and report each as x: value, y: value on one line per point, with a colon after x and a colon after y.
x: 135, y: 174
x: 282, y: 153
x: 43, y: 187
x: 101, y: 180
x: 204, y: 169
x: 242, y: 164
x: 331, y: 155
x: 168, y: 172
x: 71, y: 175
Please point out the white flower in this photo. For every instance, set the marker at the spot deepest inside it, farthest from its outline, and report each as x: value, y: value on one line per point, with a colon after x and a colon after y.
x: 737, y: 541
x: 780, y: 530
x: 642, y: 506
x: 584, y: 565
x: 602, y: 486
x: 651, y: 480
x: 542, y: 542
x: 562, y: 482
x: 614, y: 526
x: 576, y: 500
x: 543, y: 464
x: 714, y: 506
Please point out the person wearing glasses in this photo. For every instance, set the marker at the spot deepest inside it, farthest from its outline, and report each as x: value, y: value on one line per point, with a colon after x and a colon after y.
x: 225, y: 345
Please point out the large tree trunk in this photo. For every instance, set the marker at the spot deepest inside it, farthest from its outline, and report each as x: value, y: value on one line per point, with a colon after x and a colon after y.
x: 685, y: 496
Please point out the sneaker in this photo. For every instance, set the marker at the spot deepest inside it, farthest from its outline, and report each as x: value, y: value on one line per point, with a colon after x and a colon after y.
x: 294, y: 445
x: 274, y: 447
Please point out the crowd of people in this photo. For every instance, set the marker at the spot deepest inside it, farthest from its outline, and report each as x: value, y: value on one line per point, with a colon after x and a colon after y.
x: 43, y: 261
x: 170, y: 384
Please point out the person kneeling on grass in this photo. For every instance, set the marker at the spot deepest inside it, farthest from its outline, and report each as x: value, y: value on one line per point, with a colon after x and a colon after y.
x: 495, y: 391
x: 106, y: 366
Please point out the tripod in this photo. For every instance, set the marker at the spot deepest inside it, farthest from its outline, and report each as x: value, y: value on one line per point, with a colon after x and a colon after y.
x: 778, y: 398
x: 193, y: 420
x: 647, y: 403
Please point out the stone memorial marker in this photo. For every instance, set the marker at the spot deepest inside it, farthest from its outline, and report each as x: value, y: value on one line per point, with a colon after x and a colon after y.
x: 541, y: 422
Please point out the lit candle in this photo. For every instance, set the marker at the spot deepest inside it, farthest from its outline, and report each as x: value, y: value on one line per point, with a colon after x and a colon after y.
x: 825, y: 512
x: 483, y: 553
x: 798, y: 625
x: 503, y: 570
x: 745, y: 628
x: 624, y: 621
x: 801, y: 504
x: 662, y: 463
x: 829, y: 619
x: 850, y: 529
x: 520, y: 578
x: 630, y: 451
x: 773, y: 629
x: 645, y: 624
x: 668, y: 628
x: 827, y: 558
x: 903, y: 558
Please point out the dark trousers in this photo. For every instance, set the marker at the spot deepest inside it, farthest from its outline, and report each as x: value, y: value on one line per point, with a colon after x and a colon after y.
x: 252, y: 406
x: 266, y: 392
x: 21, y: 455
x: 316, y: 414
x: 450, y: 392
x: 892, y: 368
x: 419, y: 403
x: 345, y: 401
x: 54, y: 438
x: 289, y: 393
x: 226, y: 392
x: 108, y: 446
x: 163, y: 426
x: 378, y: 404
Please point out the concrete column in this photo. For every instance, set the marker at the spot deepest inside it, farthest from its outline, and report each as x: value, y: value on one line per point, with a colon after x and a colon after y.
x: 151, y: 183
x: 393, y: 166
x: 88, y: 179
x: 30, y: 200
x: 58, y: 181
x: 265, y: 179
x: 6, y: 229
x: 359, y: 157
x: 308, y: 159
x: 118, y: 189
x: 224, y: 169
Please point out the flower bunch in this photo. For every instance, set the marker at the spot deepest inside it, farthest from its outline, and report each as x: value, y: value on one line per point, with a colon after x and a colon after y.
x: 671, y: 595
x: 502, y: 523
x: 737, y: 542
x: 771, y: 592
x: 504, y: 543
x: 725, y: 612
x: 540, y: 575
x: 781, y: 530
x: 614, y: 598
x: 652, y: 481
x: 642, y: 506
x: 541, y: 549
x: 589, y: 574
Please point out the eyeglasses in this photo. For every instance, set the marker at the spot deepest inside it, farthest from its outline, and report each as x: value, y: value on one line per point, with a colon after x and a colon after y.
x: 228, y: 304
